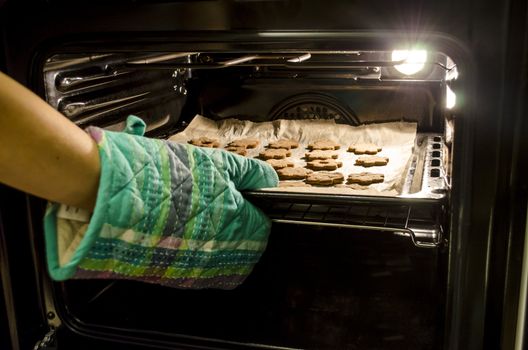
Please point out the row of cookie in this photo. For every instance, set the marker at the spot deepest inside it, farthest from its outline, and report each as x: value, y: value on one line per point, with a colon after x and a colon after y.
x: 317, y: 164
x: 276, y: 150
x: 323, y: 160
x: 327, y: 145
x: 318, y: 159
x: 358, y: 148
x: 325, y: 178
x: 243, y: 144
x: 240, y: 146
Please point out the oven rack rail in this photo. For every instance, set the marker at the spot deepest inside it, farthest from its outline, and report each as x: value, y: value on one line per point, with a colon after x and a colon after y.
x: 419, y: 220
x: 303, y: 60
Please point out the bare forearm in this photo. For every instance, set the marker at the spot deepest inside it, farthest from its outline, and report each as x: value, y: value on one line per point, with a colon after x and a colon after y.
x: 42, y: 152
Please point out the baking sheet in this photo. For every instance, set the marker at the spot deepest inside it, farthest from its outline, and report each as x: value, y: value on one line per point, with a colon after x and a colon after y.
x: 396, y: 138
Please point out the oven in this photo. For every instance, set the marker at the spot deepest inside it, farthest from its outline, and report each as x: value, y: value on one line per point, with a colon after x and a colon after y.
x: 433, y: 266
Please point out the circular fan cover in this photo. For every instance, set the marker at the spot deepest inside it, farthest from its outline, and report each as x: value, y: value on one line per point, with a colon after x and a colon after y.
x: 313, y: 106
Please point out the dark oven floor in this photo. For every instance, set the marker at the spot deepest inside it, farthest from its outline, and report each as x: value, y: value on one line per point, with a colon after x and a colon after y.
x: 314, y: 288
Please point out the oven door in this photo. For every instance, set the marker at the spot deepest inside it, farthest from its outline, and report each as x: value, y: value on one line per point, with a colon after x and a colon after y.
x: 314, y: 288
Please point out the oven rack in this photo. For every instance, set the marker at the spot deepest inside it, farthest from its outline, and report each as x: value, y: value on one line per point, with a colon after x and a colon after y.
x: 418, y: 219
x: 365, y: 63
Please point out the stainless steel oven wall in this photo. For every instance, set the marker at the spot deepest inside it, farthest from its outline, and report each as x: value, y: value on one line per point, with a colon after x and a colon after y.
x: 87, y: 89
x: 487, y: 170
x: 168, y: 88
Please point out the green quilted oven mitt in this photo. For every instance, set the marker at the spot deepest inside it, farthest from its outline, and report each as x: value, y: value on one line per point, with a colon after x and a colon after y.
x: 166, y: 213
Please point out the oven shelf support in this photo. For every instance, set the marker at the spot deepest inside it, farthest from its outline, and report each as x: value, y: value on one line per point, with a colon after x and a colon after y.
x: 420, y: 237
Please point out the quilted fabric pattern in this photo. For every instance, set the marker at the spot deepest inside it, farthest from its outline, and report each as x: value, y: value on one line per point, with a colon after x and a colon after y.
x: 170, y: 214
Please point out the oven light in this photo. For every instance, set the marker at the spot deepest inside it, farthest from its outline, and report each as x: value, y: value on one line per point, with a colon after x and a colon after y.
x: 414, y: 60
x: 450, y: 98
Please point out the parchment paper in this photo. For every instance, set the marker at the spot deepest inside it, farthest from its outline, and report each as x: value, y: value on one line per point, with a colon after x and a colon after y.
x: 396, y: 138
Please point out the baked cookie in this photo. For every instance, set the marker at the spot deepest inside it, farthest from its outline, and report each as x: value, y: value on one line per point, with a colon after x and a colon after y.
x: 246, y: 143
x: 368, y: 161
x: 293, y: 184
x: 320, y: 155
x: 324, y: 178
x: 324, y: 164
x: 284, y: 143
x: 365, y: 178
x: 293, y: 173
x: 279, y: 163
x: 323, y: 145
x: 278, y: 153
x: 205, y: 142
x: 364, y: 148
x: 238, y: 150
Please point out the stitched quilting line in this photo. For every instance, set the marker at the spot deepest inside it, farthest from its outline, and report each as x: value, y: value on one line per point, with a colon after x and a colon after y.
x: 204, y: 165
x: 114, y: 174
x: 145, y: 186
x: 147, y: 163
x: 151, y: 186
x: 240, y: 253
x: 179, y: 167
x: 222, y: 185
x: 206, y: 192
x: 178, y: 207
x: 116, y: 266
x: 201, y: 210
x: 163, y: 207
x: 129, y: 167
x: 218, y: 173
x: 206, y: 262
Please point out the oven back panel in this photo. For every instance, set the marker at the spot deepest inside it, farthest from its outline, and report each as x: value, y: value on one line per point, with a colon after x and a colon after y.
x: 263, y: 97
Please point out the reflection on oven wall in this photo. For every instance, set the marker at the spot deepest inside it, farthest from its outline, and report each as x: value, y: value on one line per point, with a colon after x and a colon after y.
x: 89, y: 88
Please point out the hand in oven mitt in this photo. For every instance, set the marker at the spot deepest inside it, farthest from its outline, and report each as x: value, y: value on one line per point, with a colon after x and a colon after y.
x: 165, y: 213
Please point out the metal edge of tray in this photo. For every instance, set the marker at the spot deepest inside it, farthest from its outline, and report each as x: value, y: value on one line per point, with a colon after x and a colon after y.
x: 336, y: 199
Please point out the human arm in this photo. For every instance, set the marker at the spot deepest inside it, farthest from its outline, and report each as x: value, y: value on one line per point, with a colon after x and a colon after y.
x: 42, y: 152
x: 163, y: 212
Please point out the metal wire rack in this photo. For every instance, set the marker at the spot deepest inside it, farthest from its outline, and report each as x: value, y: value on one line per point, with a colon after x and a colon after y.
x: 420, y: 221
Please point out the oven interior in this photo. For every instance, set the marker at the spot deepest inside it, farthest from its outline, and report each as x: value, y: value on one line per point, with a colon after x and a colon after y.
x: 340, y: 271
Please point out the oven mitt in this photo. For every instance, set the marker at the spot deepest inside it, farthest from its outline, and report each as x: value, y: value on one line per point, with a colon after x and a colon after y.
x: 166, y: 213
